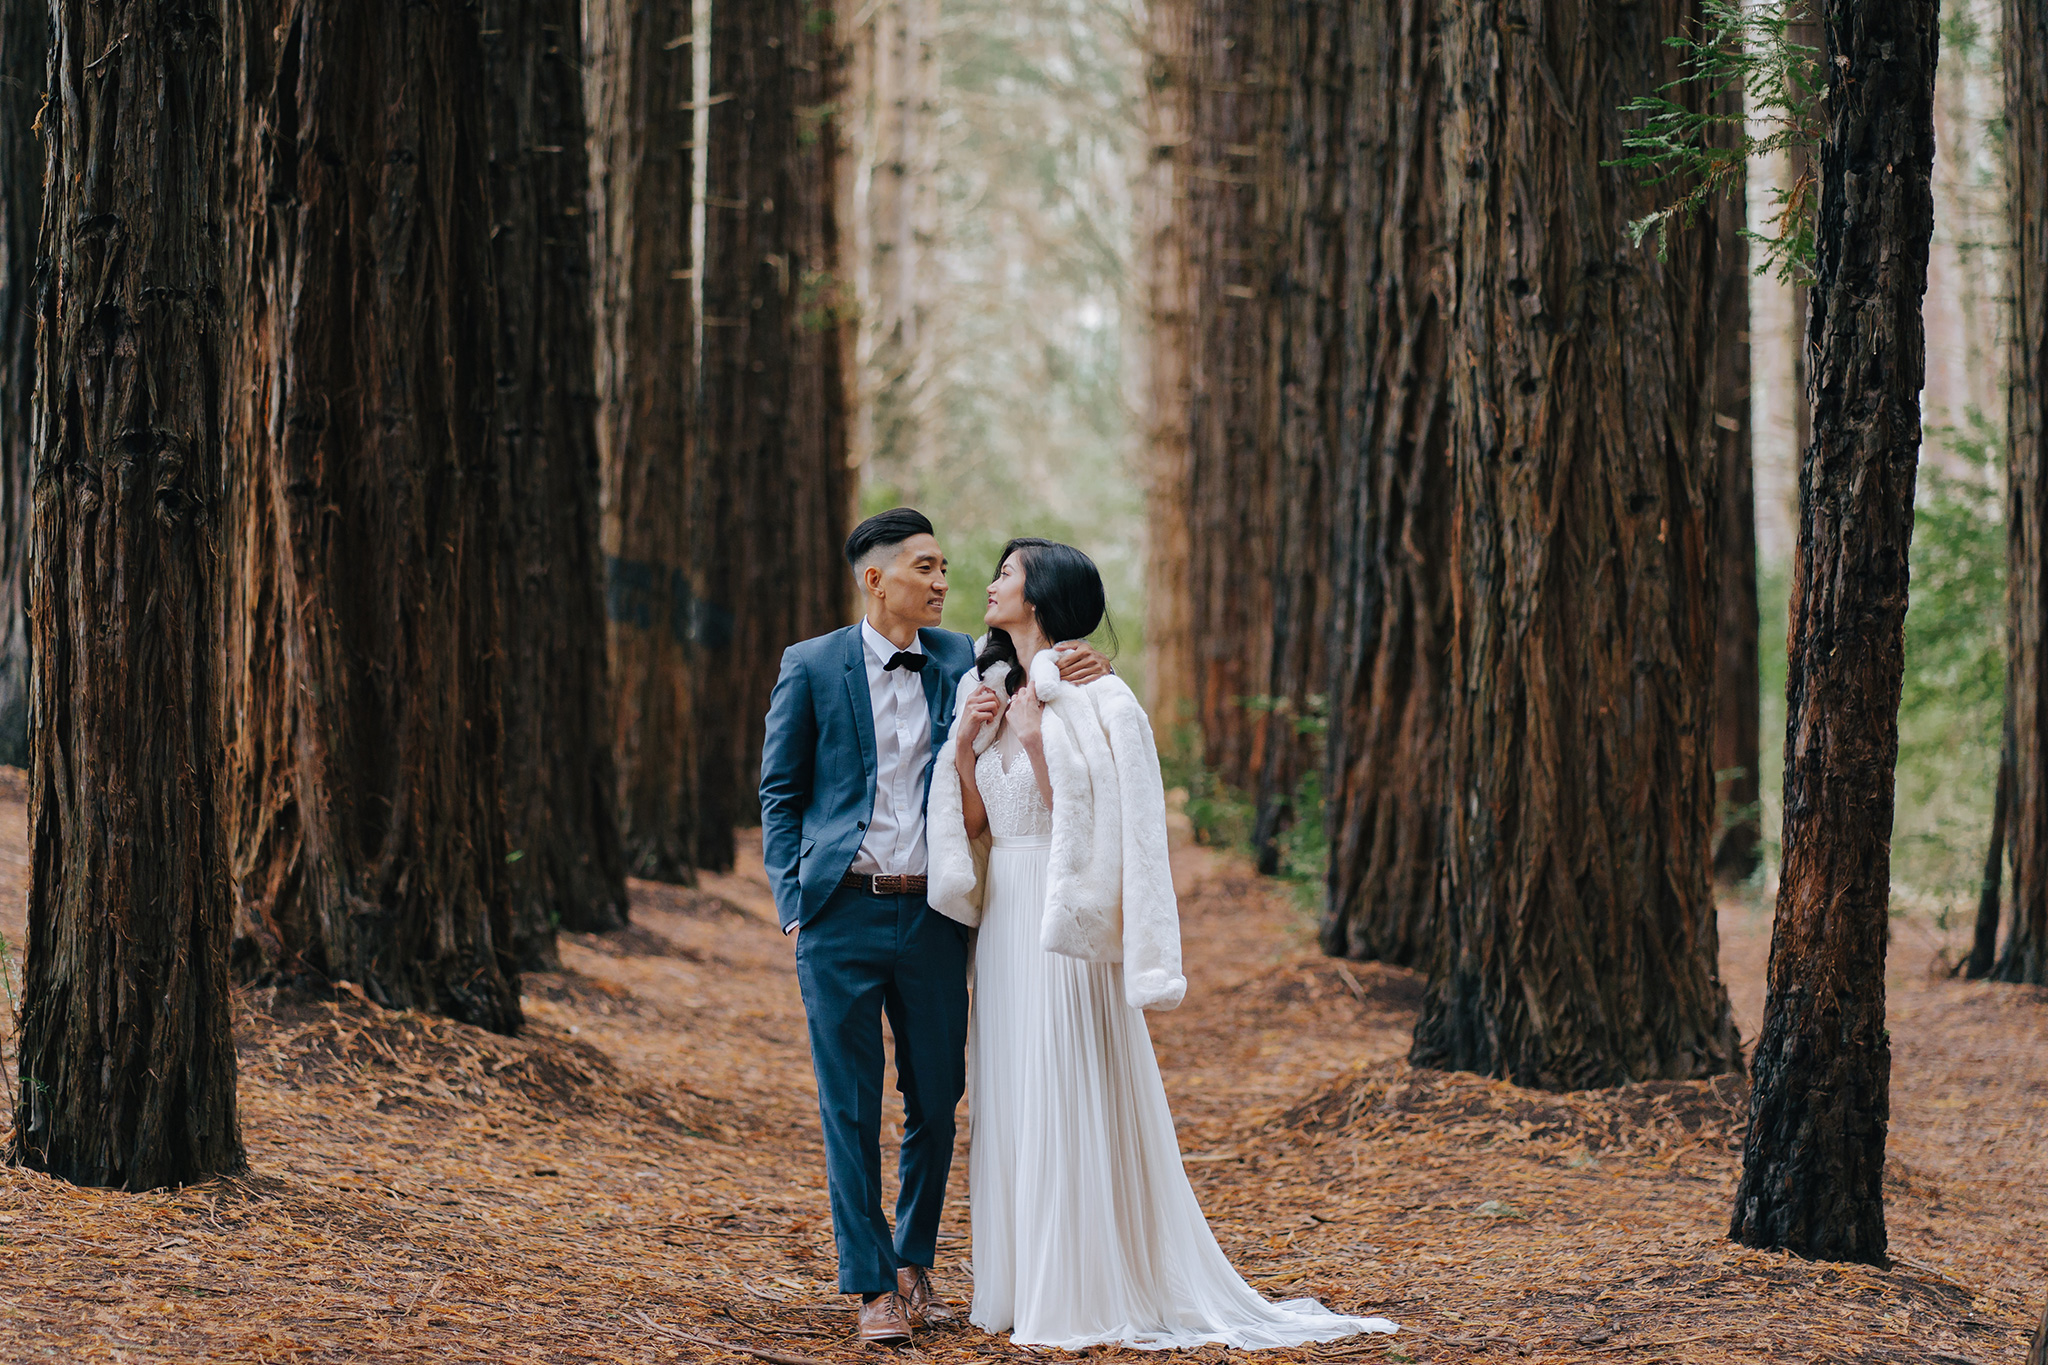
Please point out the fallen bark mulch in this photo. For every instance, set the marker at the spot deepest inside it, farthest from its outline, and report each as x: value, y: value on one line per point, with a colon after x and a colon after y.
x: 637, y: 1177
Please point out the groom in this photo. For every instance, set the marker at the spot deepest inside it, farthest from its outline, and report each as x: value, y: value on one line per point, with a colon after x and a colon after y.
x: 853, y: 725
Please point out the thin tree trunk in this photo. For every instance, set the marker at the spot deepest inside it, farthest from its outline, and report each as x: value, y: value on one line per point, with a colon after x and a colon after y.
x: 370, y: 839
x: 127, y: 1069
x: 2037, y: 1352
x: 1813, y: 1161
x: 566, y: 865
x: 1167, y: 270
x: 1738, y: 721
x: 1580, y: 946
x: 24, y: 59
x: 642, y: 142
x: 773, y: 492
x: 2025, y: 958
x: 1984, y: 942
x: 1392, y: 622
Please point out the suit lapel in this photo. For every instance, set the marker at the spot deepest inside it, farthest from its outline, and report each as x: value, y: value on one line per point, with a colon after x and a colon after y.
x: 936, y: 695
x: 857, y: 694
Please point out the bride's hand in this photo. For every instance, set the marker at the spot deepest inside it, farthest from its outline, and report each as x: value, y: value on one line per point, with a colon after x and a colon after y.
x: 979, y: 710
x: 1025, y: 715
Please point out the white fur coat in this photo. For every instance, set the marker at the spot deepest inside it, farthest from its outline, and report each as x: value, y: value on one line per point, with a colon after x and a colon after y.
x: 1109, y: 895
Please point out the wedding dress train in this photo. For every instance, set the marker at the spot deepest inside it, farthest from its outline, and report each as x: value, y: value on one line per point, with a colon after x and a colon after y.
x: 1086, y: 1230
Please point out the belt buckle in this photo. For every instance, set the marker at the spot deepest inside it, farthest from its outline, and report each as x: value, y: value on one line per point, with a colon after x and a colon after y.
x: 888, y: 884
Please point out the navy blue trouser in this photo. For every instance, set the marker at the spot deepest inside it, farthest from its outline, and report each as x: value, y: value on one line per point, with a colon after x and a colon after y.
x: 862, y: 957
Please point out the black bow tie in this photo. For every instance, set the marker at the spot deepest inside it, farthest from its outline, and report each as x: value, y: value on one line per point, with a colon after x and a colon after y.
x: 903, y: 658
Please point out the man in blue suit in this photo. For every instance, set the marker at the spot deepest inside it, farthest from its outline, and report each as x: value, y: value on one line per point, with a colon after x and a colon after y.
x: 854, y: 724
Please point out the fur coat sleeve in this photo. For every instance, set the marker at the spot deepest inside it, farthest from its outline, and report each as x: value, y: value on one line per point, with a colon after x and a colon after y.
x: 958, y: 866
x: 1110, y: 887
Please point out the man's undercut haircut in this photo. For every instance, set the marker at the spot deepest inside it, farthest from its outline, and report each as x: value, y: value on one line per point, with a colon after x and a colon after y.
x: 883, y: 532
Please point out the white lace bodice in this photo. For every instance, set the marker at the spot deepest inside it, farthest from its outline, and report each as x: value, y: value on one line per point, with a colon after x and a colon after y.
x: 1016, y: 810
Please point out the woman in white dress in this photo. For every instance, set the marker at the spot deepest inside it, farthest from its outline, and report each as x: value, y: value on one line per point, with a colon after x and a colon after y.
x: 1086, y: 1230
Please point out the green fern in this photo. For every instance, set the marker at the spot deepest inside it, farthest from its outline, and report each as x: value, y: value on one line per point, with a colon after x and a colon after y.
x: 1738, y: 48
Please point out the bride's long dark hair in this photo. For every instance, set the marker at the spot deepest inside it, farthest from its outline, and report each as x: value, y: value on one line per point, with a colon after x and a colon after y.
x: 1063, y: 587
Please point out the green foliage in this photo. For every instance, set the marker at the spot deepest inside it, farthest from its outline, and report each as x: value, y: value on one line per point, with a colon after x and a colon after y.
x: 1226, y: 818
x: 1952, y: 704
x: 1738, y: 49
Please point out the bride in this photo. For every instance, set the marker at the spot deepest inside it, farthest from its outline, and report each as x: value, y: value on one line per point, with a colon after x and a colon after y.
x: 1047, y: 823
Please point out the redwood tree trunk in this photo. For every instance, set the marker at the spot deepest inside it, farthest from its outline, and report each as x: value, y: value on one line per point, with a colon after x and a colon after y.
x: 1738, y: 699
x: 1813, y: 1161
x: 2026, y: 489
x: 566, y: 865
x: 1313, y: 43
x: 1167, y: 264
x: 647, y: 377
x: 24, y: 57
x: 127, y: 1070
x: 370, y: 840
x: 1580, y: 944
x: 774, y: 493
x: 1234, y: 495
x: 1391, y: 613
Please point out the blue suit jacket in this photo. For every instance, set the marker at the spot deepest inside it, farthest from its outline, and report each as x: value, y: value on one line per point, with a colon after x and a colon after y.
x: 818, y: 759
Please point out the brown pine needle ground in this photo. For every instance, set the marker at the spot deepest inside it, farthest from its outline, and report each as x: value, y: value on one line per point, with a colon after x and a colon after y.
x: 638, y: 1178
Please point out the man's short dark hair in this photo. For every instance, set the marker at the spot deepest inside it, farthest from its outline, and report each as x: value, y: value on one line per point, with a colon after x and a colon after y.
x: 884, y: 529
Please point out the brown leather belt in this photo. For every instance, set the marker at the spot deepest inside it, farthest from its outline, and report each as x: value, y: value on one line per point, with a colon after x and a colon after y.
x: 885, y: 884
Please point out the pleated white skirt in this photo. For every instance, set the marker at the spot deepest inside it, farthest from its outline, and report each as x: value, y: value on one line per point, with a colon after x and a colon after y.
x: 1086, y: 1230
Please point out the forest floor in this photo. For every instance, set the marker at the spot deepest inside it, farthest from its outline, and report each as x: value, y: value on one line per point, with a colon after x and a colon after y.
x: 642, y: 1167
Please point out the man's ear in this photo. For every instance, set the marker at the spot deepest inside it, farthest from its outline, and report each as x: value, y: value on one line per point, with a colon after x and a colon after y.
x: 871, y: 579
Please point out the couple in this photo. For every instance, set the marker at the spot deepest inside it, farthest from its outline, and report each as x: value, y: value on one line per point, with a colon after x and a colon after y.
x: 1047, y: 834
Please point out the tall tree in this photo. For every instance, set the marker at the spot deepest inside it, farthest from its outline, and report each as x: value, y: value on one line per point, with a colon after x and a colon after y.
x: 128, y: 1073
x: 366, y: 507
x: 1579, y: 948
x: 2026, y: 483
x: 1391, y: 624
x: 639, y: 68
x: 24, y: 55
x: 1252, y: 485
x: 1738, y: 722
x: 1813, y: 1160
x: 1166, y: 266
x: 773, y: 490
x: 889, y: 206
x: 566, y: 864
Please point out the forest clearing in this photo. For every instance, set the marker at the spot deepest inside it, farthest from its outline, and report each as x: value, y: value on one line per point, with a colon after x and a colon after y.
x: 643, y: 1163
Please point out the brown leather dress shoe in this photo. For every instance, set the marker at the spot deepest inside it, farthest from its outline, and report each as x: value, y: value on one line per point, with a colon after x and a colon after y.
x: 885, y: 1322
x: 914, y: 1287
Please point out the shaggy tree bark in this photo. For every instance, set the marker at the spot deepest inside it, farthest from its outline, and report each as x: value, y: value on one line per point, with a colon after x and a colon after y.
x: 1312, y: 40
x: 24, y: 57
x: 1234, y: 498
x: 370, y: 826
x: 127, y: 1070
x: 1813, y: 1160
x: 1737, y: 691
x: 2026, y: 490
x: 1166, y: 268
x: 1392, y: 621
x: 566, y: 865
x: 774, y: 492
x: 641, y: 140
x: 1580, y: 945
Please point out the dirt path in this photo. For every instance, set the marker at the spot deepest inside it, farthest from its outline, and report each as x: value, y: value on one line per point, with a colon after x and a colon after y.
x: 645, y: 1162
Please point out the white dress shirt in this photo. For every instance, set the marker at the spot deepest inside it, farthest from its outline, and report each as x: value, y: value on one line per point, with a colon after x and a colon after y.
x: 903, y: 745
